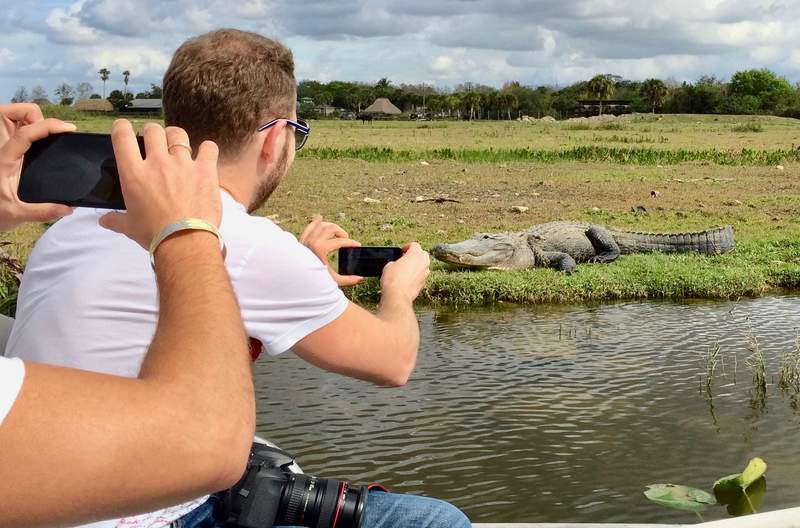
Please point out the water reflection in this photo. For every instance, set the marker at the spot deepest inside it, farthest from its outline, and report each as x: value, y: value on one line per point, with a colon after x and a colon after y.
x: 553, y: 413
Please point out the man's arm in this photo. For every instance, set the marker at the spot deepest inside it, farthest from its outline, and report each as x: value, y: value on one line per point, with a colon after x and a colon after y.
x: 79, y: 446
x: 380, y: 347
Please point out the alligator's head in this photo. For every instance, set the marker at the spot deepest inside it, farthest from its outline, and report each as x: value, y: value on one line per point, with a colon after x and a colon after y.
x: 485, y: 251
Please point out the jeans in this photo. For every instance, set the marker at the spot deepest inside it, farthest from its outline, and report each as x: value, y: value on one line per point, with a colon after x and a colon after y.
x: 384, y: 510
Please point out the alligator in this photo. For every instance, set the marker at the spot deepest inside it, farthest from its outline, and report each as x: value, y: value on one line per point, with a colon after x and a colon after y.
x: 562, y: 244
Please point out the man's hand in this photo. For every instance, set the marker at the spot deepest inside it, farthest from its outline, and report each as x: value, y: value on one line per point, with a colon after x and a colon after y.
x: 406, y: 276
x: 323, y: 238
x: 164, y: 187
x: 20, y: 125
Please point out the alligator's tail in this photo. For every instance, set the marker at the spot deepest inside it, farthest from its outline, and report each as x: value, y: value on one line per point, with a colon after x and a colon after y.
x: 711, y: 241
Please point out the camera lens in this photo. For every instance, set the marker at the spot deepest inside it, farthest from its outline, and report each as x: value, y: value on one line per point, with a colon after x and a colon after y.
x: 321, y: 503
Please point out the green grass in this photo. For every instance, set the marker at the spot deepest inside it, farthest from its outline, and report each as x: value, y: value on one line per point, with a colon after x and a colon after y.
x: 749, y: 127
x: 637, y: 156
x: 706, y: 174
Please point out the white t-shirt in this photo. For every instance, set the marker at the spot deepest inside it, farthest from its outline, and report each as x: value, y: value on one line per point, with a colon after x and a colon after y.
x: 12, y: 372
x: 88, y: 298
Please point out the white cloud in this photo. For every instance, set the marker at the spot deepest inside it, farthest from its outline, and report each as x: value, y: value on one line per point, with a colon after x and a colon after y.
x: 65, y: 27
x: 442, y: 64
x: 441, y: 41
x: 6, y: 56
x: 139, y: 61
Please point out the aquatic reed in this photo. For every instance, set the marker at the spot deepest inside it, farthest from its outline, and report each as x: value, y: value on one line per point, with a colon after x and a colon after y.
x: 790, y: 369
x: 757, y: 364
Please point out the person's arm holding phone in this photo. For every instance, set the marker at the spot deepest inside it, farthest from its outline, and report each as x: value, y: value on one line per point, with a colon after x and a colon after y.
x: 380, y: 347
x: 80, y: 446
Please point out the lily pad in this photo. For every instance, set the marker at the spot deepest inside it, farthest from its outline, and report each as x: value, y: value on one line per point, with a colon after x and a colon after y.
x: 729, y: 484
x: 755, y: 470
x: 741, y: 502
x: 679, y: 497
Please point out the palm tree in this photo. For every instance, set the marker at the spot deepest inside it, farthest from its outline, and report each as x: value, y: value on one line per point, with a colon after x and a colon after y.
x: 383, y: 87
x: 104, y: 73
x: 508, y: 101
x: 126, y: 75
x: 654, y: 91
x: 453, y: 103
x: 471, y: 100
x: 601, y: 87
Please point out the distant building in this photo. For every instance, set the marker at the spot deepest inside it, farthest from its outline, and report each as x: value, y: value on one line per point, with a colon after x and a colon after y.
x: 590, y: 107
x: 42, y: 102
x: 327, y: 110
x: 381, y: 106
x: 143, y: 106
x: 94, y: 105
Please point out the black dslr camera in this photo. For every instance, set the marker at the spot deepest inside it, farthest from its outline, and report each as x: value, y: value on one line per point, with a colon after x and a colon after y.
x: 270, y: 494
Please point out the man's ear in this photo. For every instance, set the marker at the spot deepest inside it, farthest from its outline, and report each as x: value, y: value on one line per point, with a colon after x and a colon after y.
x: 273, y: 142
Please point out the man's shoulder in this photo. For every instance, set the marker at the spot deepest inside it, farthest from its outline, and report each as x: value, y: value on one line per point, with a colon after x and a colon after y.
x: 246, y: 231
x: 257, y: 242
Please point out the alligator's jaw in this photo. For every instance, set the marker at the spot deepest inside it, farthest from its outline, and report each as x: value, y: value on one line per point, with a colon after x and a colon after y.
x: 468, y: 256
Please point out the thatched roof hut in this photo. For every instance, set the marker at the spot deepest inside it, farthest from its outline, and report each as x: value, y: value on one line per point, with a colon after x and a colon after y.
x: 382, y: 106
x: 44, y: 101
x: 94, y: 105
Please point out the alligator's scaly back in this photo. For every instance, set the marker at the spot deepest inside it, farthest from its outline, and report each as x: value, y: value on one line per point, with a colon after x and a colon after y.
x: 711, y: 241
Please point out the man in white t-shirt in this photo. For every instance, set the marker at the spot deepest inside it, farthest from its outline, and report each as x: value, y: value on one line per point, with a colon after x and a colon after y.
x: 88, y: 299
x: 63, y: 446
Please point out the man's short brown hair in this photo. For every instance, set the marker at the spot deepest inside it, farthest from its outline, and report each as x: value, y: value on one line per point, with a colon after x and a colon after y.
x: 223, y: 85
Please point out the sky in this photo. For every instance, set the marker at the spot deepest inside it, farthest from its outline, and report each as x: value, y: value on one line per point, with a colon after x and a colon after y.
x: 438, y: 42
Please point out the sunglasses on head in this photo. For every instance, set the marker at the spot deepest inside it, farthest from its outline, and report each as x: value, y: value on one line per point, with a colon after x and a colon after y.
x: 301, y: 130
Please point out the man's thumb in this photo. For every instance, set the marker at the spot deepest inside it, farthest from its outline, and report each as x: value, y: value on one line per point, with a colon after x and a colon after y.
x: 114, y: 222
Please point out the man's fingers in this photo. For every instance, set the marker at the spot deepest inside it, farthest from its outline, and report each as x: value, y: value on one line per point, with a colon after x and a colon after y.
x: 155, y: 140
x: 113, y: 222
x: 346, y: 280
x: 20, y: 142
x: 126, y: 148
x: 42, y: 212
x: 328, y: 230
x: 338, y: 243
x: 24, y: 113
x: 207, y: 153
x: 315, y: 221
x: 176, y: 137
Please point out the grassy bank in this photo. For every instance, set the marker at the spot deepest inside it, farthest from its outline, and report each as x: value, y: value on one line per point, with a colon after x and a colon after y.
x: 754, y: 269
x: 705, y: 174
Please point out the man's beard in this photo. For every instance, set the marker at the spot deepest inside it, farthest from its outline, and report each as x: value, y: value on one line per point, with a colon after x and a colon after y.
x: 270, y: 183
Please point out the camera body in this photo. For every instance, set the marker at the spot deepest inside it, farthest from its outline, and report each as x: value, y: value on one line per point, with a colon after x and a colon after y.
x: 270, y: 494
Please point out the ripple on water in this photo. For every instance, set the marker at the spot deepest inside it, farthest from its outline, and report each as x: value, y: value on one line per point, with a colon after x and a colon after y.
x: 551, y: 413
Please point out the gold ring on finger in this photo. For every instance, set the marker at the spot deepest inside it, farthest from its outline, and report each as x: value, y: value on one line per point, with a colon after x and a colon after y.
x: 183, y: 145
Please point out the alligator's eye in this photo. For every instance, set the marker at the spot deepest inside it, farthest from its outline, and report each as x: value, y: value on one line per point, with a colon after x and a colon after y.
x: 486, y: 237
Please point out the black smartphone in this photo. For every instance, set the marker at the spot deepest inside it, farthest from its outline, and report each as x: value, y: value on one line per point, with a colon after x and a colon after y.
x: 75, y: 169
x: 366, y: 261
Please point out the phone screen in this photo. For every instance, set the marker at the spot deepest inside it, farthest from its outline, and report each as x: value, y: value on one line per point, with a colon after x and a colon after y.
x: 366, y: 261
x: 74, y: 169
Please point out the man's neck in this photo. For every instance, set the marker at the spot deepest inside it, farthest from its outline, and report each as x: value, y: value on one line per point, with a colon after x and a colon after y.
x: 231, y: 181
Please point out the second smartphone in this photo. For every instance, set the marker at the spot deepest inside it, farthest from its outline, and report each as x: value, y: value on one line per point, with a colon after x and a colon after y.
x: 366, y: 261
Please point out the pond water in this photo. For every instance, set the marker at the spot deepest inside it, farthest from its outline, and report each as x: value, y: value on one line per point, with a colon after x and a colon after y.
x: 554, y: 413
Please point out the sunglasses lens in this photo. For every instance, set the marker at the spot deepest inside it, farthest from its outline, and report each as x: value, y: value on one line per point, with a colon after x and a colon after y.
x: 300, y: 137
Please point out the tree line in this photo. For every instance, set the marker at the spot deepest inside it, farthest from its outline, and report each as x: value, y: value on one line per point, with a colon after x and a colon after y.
x: 755, y: 91
x: 66, y: 94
